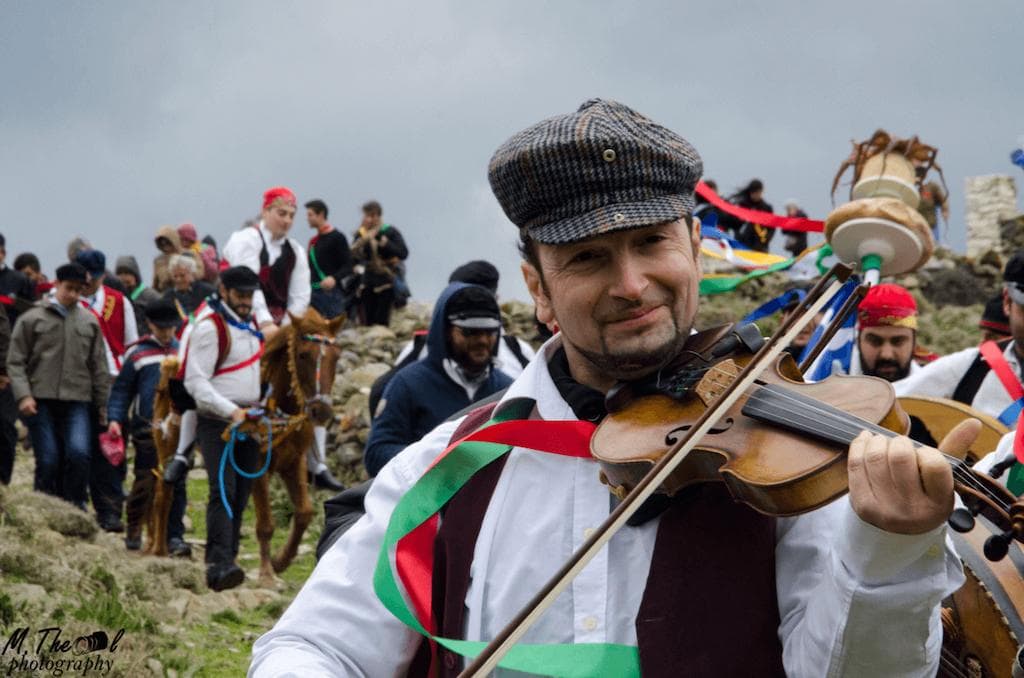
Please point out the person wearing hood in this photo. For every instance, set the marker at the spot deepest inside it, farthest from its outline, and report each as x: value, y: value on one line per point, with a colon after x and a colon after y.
x: 127, y: 270
x: 204, y: 253
x: 458, y: 370
x: 169, y: 243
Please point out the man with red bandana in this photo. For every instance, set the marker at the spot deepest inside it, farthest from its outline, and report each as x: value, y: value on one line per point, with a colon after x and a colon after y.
x: 279, y: 261
x: 886, y: 333
x: 283, y: 268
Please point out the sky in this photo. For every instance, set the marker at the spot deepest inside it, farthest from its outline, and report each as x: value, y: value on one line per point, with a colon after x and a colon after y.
x: 117, y: 117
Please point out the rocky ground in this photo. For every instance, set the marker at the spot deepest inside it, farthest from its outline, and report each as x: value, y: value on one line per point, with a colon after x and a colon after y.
x: 57, y: 569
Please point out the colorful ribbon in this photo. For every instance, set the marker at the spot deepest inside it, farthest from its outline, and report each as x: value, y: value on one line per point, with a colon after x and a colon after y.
x: 757, y: 216
x: 413, y: 526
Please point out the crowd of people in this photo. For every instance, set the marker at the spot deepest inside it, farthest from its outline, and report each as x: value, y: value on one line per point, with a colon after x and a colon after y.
x: 610, y: 249
x: 81, y: 354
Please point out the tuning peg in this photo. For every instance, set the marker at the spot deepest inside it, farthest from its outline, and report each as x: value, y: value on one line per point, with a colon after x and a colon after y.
x: 997, y: 546
x: 961, y: 520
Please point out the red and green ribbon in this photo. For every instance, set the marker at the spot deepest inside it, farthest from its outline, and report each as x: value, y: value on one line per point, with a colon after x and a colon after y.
x: 413, y: 526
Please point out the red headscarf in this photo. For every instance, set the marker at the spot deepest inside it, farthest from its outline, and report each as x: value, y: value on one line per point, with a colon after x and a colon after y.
x: 888, y: 305
x: 278, y: 193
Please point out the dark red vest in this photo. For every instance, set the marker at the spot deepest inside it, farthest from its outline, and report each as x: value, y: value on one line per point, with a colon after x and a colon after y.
x: 709, y: 607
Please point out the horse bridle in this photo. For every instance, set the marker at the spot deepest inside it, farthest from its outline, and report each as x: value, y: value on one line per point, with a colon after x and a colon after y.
x: 323, y: 342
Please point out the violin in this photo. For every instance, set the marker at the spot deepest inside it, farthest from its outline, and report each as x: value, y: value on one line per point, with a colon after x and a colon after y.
x: 730, y: 410
x: 780, y: 448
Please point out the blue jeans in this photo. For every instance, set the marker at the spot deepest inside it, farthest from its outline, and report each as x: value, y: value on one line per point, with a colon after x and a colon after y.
x: 61, y: 433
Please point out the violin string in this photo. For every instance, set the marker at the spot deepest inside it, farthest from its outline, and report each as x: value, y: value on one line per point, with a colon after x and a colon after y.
x: 959, y: 468
x: 842, y: 419
x: 849, y: 430
x: 844, y: 427
x: 965, y: 476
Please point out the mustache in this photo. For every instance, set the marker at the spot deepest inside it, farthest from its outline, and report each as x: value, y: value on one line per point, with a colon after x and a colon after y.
x: 616, y: 310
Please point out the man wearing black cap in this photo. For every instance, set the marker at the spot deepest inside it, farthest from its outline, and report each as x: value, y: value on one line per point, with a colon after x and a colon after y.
x: 131, y: 406
x: 457, y: 371
x: 603, y: 198
x: 224, y: 380
x: 58, y: 370
x: 513, y: 352
x: 994, y: 323
x: 968, y: 375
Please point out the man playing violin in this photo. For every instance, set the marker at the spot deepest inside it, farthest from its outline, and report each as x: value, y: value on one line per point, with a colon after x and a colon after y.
x: 697, y: 584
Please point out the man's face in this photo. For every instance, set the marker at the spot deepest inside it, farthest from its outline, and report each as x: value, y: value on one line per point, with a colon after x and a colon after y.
x: 238, y: 301
x: 807, y: 331
x: 1015, y: 312
x: 182, y: 278
x: 165, y: 245
x: 624, y: 301
x: 129, y: 280
x: 94, y: 284
x: 278, y: 218
x: 162, y: 334
x: 68, y: 292
x: 315, y: 220
x: 886, y: 352
x: 472, y: 349
x: 371, y: 220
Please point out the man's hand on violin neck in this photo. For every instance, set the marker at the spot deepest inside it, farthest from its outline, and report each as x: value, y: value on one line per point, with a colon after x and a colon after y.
x: 900, y: 489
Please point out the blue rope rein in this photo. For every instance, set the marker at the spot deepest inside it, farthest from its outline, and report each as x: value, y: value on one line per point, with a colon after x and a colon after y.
x: 229, y: 453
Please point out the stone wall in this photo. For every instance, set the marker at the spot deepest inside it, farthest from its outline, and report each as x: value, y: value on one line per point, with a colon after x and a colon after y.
x: 991, y: 200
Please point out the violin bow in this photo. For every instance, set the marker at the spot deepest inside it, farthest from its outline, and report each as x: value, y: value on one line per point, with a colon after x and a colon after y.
x: 488, y: 659
x: 837, y: 322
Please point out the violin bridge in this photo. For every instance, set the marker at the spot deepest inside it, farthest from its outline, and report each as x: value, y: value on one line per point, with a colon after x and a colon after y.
x: 716, y: 380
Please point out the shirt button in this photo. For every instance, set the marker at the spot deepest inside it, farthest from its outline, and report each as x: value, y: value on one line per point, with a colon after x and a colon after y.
x: 590, y: 623
x: 609, y: 155
x: 934, y: 551
x: 618, y: 217
x: 587, y: 532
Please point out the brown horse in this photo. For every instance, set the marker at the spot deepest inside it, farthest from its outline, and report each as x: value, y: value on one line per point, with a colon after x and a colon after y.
x: 299, y: 364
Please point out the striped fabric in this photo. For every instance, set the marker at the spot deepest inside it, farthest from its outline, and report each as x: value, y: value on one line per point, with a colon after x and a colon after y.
x: 603, y: 168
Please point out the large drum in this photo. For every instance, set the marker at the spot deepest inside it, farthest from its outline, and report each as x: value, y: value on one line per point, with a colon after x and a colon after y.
x: 939, y: 416
x: 983, y: 622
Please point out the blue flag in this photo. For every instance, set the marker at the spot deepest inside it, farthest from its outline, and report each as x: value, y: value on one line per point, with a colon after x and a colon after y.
x: 839, y: 352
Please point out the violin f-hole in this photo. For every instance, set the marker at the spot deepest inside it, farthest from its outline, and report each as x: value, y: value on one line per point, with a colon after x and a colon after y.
x: 721, y: 427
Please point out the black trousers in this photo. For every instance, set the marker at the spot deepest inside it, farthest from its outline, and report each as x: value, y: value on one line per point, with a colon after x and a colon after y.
x: 140, y: 498
x: 106, y: 482
x: 8, y: 434
x: 375, y: 307
x: 221, y: 531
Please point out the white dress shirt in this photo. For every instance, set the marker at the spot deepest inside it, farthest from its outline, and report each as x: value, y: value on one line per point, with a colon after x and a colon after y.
x: 131, y: 329
x: 220, y: 395
x: 939, y: 378
x: 853, y: 600
x: 243, y: 249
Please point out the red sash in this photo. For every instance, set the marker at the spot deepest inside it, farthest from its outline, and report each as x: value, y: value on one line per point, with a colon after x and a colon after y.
x: 1011, y: 382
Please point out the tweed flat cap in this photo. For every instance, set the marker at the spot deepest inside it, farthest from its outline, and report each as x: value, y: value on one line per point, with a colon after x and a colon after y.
x: 603, y: 168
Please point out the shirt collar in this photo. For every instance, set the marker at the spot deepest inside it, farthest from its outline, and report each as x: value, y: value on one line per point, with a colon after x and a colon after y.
x: 270, y: 236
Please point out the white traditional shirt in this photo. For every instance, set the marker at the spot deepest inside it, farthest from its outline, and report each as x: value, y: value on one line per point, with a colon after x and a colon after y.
x: 939, y: 378
x: 131, y: 329
x: 853, y: 600
x: 220, y: 395
x: 243, y: 249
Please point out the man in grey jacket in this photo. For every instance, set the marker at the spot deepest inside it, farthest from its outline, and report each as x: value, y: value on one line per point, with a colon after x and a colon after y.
x: 58, y: 367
